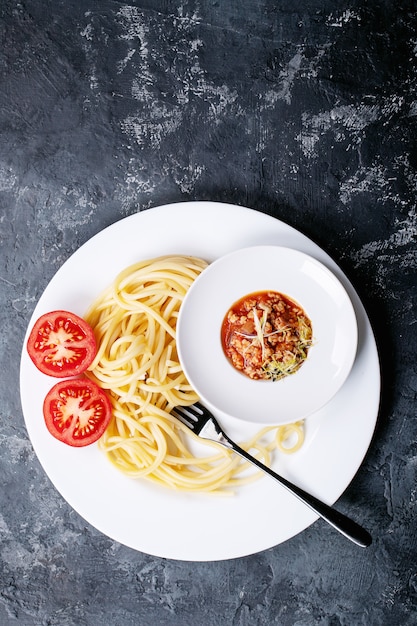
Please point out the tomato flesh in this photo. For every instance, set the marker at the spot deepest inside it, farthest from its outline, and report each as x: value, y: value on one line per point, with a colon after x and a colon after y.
x: 77, y: 411
x: 61, y: 344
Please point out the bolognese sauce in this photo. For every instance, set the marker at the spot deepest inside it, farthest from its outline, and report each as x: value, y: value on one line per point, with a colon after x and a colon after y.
x: 266, y: 335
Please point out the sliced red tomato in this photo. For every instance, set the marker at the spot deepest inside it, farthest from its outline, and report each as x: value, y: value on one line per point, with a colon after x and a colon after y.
x: 77, y: 411
x: 61, y: 344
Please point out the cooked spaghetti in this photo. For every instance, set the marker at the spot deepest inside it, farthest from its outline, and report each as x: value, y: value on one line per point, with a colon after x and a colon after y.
x: 134, y: 322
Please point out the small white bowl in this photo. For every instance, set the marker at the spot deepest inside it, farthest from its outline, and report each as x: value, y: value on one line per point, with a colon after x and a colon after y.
x: 301, y: 278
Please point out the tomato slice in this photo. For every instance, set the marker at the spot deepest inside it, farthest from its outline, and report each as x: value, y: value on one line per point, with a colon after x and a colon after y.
x: 61, y: 344
x: 77, y: 411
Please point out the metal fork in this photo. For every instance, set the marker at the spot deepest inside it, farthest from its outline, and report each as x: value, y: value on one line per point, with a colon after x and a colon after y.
x: 202, y: 422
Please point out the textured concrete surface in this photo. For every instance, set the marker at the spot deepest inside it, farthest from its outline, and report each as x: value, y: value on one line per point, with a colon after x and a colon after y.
x: 305, y: 111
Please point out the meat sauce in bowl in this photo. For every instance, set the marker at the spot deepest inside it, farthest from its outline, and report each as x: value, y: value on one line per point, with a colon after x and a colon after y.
x: 266, y: 335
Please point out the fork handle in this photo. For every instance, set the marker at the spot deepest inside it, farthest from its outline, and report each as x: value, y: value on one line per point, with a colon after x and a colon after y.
x: 340, y: 522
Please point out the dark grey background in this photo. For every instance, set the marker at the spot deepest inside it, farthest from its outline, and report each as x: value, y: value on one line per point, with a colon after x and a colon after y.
x: 304, y: 110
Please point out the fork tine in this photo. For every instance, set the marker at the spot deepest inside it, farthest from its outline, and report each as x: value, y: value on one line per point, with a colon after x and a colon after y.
x: 185, y: 415
x: 193, y: 416
x: 196, y: 409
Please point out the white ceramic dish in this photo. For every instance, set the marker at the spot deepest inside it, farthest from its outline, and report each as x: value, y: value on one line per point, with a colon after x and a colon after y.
x: 155, y: 520
x: 303, y: 279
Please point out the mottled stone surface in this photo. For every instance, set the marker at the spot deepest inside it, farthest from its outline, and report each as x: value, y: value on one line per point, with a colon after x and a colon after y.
x: 304, y: 110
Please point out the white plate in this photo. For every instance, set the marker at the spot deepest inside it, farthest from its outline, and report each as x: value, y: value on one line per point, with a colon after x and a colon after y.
x: 306, y: 281
x: 194, y: 527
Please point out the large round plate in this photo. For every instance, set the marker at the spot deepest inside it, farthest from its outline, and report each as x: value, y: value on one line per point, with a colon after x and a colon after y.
x: 195, y: 527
